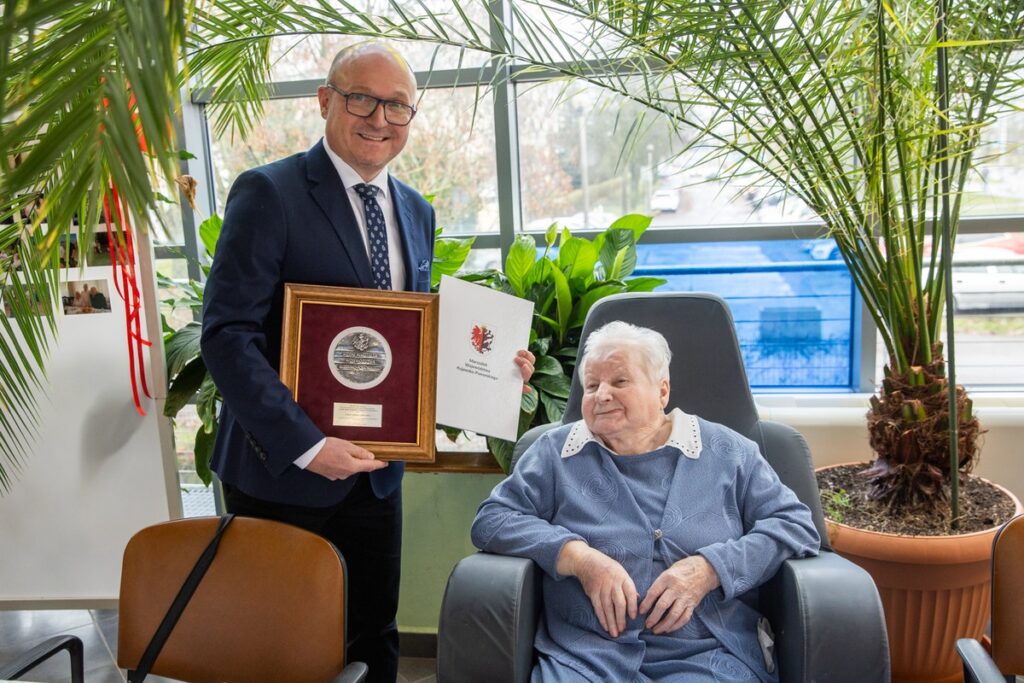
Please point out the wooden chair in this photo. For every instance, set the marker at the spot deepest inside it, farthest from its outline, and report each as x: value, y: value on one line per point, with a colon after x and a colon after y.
x: 1006, y: 659
x: 271, y: 607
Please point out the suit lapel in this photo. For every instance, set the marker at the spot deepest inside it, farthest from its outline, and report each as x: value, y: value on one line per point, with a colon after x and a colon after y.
x: 330, y: 196
x: 411, y: 249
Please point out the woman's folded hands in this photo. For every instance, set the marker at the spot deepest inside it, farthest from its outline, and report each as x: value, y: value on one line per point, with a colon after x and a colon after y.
x: 669, y: 603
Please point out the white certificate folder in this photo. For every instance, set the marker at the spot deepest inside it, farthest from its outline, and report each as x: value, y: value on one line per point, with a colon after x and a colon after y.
x: 479, y: 386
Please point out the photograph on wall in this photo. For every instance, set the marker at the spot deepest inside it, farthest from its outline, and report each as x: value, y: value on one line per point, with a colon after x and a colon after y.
x: 86, y: 296
x: 69, y: 251
x: 99, y: 253
x: 41, y: 301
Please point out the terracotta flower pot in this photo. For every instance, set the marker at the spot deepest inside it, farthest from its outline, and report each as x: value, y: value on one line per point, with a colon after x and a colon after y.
x: 934, y: 589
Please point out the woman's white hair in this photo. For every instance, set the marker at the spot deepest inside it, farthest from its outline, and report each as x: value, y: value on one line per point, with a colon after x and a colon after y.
x: 611, y: 337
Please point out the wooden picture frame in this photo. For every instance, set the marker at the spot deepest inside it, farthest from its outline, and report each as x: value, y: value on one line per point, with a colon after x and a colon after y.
x: 362, y: 364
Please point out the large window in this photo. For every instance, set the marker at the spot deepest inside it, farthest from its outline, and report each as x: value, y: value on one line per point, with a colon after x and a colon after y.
x: 501, y: 159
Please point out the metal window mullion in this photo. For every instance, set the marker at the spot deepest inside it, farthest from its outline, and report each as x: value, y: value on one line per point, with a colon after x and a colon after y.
x: 195, y: 138
x: 506, y: 143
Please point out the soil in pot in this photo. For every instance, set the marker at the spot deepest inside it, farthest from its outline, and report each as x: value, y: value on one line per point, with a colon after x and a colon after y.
x: 844, y: 499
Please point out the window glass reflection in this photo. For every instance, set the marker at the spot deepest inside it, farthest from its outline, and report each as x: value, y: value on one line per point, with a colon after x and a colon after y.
x: 450, y: 154
x: 588, y: 157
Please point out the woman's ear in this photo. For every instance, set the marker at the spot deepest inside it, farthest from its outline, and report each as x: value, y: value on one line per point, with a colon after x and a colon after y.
x: 664, y: 391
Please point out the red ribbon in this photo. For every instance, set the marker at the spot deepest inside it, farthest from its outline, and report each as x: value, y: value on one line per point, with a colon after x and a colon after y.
x: 126, y: 282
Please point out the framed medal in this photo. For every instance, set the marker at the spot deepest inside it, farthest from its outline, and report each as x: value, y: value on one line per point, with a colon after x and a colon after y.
x: 362, y: 364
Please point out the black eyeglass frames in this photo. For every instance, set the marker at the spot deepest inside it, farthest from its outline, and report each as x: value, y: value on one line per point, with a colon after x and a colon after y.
x: 363, y: 105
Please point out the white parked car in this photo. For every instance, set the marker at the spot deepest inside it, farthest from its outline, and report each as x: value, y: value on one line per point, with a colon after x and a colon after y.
x: 665, y: 200
x: 988, y: 278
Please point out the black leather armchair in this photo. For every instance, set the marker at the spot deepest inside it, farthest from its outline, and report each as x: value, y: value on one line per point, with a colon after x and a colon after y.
x: 825, y: 611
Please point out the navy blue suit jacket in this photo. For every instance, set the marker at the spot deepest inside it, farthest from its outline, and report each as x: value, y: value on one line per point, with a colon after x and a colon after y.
x: 288, y: 221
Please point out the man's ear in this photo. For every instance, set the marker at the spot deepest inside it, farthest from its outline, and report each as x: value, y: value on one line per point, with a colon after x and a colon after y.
x: 323, y: 96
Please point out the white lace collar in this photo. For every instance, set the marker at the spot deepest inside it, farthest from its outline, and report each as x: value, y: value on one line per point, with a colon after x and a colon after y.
x: 685, y: 436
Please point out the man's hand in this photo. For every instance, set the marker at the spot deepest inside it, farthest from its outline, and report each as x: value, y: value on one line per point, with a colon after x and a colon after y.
x: 677, y: 592
x: 340, y: 459
x: 605, y: 581
x: 525, y: 360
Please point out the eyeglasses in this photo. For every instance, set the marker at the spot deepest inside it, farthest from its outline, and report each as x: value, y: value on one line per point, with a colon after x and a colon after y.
x: 362, y: 105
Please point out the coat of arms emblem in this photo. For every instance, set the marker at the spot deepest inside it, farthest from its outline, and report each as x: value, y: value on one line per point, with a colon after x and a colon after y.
x: 481, y: 338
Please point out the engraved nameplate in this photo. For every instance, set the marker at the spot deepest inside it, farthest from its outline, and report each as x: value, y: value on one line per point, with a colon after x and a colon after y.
x: 357, y: 415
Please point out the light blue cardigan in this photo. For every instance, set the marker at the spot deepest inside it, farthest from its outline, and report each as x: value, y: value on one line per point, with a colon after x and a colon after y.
x: 724, y: 502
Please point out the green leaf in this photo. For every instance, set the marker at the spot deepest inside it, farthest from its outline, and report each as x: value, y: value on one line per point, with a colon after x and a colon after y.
x: 181, y: 347
x: 502, y: 452
x: 563, y: 299
x: 554, y: 408
x: 203, y: 449
x: 521, y: 257
x: 547, y: 365
x: 644, y: 284
x: 637, y: 222
x: 209, y: 233
x: 528, y: 403
x: 556, y: 385
x: 568, y: 352
x: 540, y: 345
x: 185, y: 155
x: 576, y: 258
x: 208, y: 401
x: 452, y: 433
x: 449, y: 256
x: 592, y: 296
x: 184, y: 386
x: 618, y: 253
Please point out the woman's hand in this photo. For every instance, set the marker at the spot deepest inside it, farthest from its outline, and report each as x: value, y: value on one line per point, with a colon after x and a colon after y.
x: 605, y: 581
x: 677, y: 592
x: 525, y: 362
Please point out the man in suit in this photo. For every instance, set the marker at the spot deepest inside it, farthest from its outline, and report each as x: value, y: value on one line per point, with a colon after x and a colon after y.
x: 320, y: 217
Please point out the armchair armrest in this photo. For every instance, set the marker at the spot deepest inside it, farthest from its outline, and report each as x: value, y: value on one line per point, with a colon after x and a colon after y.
x: 827, y: 617
x: 44, y: 651
x: 352, y: 673
x: 488, y: 620
x: 978, y: 664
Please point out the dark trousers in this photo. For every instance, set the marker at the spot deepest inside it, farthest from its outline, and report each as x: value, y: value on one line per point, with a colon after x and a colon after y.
x: 368, y: 532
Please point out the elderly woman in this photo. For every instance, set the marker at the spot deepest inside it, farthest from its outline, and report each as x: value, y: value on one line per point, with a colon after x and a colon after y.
x: 652, y: 529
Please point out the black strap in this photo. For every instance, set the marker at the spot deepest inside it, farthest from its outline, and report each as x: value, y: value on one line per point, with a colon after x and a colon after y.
x: 163, y: 632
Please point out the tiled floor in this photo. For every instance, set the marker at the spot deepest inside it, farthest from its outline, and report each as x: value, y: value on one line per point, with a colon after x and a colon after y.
x: 21, y: 630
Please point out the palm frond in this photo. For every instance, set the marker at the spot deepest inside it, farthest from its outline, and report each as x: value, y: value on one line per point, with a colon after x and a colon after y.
x: 89, y: 90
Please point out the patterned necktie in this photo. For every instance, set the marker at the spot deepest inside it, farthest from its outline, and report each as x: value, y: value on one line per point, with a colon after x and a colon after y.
x: 376, y: 235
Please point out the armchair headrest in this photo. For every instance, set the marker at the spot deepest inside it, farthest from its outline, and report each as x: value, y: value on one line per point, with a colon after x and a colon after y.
x: 707, y: 373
